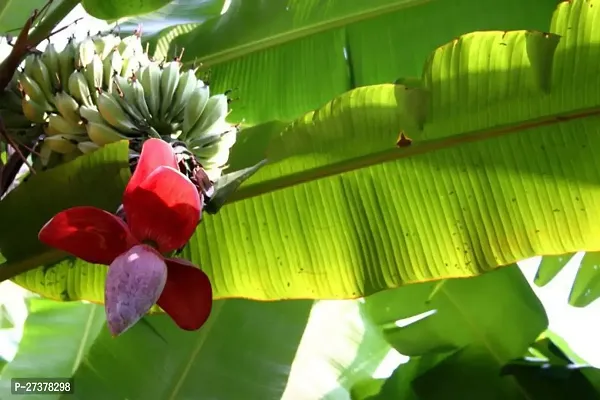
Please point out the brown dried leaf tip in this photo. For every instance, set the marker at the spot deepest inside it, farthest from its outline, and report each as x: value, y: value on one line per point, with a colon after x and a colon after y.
x: 403, y: 140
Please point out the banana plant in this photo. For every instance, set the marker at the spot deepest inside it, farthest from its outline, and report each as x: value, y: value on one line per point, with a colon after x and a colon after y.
x: 384, y: 185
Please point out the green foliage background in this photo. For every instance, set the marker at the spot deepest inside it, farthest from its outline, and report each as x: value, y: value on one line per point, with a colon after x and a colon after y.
x: 502, y: 111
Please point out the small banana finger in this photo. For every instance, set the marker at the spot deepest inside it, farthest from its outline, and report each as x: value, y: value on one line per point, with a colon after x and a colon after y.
x: 79, y: 89
x: 114, y: 114
x: 102, y: 134
x: 33, y: 111
x: 63, y: 144
x: 60, y: 124
x: 90, y: 114
x: 67, y: 106
x: 87, y: 147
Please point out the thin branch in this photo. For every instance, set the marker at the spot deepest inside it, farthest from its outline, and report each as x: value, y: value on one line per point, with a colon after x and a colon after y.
x: 11, y: 170
x: 63, y: 28
x: 2, y: 163
x: 24, y: 44
x: 18, y: 52
x: 14, y: 161
x: 27, y: 41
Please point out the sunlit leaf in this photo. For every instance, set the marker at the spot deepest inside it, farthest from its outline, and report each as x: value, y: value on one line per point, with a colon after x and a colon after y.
x: 55, y: 340
x: 586, y: 287
x: 479, y: 325
x: 115, y: 9
x: 550, y: 267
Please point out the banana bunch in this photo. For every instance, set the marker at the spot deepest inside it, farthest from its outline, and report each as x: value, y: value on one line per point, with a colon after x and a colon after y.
x: 185, y: 112
x: 60, y: 90
x: 104, y: 89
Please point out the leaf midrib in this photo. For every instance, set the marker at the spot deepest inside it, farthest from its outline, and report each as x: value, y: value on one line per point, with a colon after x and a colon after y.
x: 201, y: 340
x: 84, y: 338
x: 394, y: 153
x: 236, y: 52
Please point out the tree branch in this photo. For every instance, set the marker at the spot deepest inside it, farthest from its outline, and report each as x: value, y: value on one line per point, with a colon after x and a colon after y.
x: 26, y: 41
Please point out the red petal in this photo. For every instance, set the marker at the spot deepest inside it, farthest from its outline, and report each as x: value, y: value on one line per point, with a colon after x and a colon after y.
x: 155, y: 153
x: 187, y: 296
x: 89, y: 233
x: 134, y: 283
x: 164, y: 209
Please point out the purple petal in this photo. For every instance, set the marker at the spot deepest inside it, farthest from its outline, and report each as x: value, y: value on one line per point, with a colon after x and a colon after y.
x: 134, y: 283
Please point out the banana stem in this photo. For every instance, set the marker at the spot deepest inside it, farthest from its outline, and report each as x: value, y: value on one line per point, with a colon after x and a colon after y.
x: 53, y: 18
x: 26, y: 41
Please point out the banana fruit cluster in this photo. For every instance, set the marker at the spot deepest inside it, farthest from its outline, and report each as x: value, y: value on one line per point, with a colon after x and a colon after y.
x: 19, y: 127
x: 104, y: 89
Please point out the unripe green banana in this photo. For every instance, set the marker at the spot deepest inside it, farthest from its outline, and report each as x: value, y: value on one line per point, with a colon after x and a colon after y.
x: 130, y: 46
x: 94, y: 72
x: 179, y: 116
x: 112, y: 92
x: 33, y: 90
x: 13, y: 85
x: 215, y: 154
x: 150, y: 80
x: 134, y: 114
x: 169, y: 79
x: 102, y: 134
x: 34, y: 111
x: 213, y: 134
x: 85, y: 52
x: 139, y: 99
x: 123, y: 93
x: 63, y: 144
x: 59, y: 124
x: 130, y: 65
x: 209, y: 152
x: 51, y: 60
x: 185, y: 88
x: 44, y: 154
x: 50, y: 131
x: 122, y: 86
x: 113, y: 113
x: 66, y: 61
x: 79, y: 89
x: 215, y: 111
x: 105, y: 44
x: 87, y: 147
x: 41, y: 75
x: 229, y: 137
x: 90, y: 114
x: 195, y: 107
x: 28, y: 64
x: 67, y: 106
x: 112, y: 65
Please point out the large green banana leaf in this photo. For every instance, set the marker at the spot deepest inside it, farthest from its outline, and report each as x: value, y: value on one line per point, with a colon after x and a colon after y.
x: 14, y: 13
x: 115, y: 9
x: 478, y: 327
x: 268, y: 350
x: 287, y: 58
x: 56, y: 338
x: 272, y: 349
x: 551, y: 375
x: 501, y: 168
